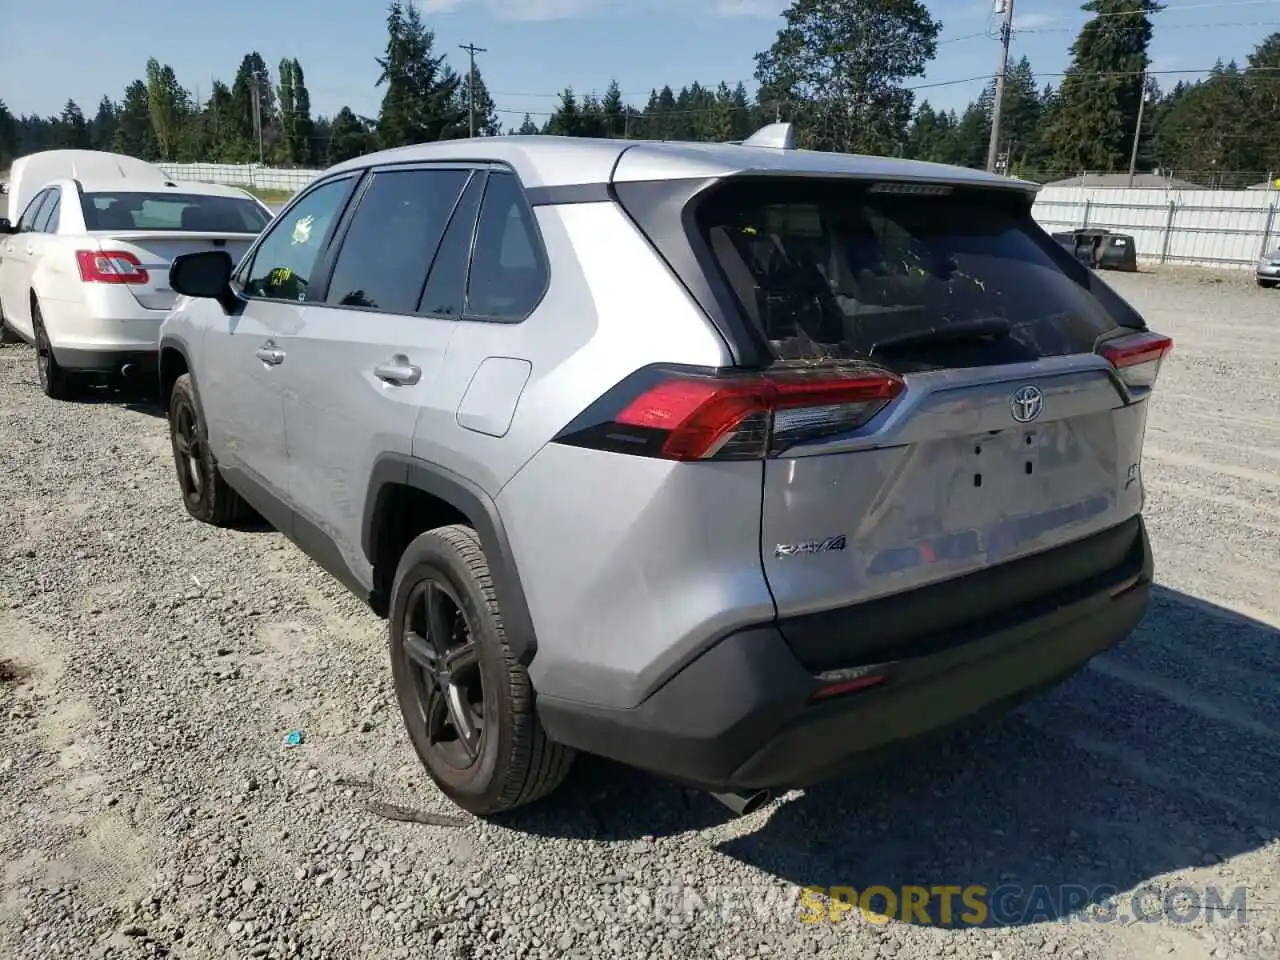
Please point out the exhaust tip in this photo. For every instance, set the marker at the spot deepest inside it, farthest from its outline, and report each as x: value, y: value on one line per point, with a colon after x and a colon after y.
x: 744, y: 804
x: 126, y: 370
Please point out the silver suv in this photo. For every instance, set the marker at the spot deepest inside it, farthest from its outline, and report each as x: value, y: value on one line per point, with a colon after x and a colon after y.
x: 732, y: 462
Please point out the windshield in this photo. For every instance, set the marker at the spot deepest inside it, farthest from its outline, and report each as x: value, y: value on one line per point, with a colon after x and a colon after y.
x: 830, y: 270
x: 172, y: 211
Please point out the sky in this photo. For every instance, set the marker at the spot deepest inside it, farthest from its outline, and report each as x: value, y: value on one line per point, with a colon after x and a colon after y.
x: 535, y: 48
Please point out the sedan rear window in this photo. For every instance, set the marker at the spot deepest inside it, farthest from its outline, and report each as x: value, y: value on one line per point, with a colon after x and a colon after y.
x: 172, y: 211
x: 839, y: 270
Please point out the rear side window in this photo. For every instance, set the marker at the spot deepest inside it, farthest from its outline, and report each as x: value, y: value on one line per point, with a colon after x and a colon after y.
x: 172, y: 211
x: 508, y: 274
x: 835, y: 270
x: 47, y: 222
x: 393, y: 236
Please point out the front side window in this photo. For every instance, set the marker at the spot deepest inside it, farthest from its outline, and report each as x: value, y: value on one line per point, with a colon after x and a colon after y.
x: 393, y: 237
x: 287, y: 256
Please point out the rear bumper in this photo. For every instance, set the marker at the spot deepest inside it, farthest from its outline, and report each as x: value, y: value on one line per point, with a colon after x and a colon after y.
x: 742, y: 716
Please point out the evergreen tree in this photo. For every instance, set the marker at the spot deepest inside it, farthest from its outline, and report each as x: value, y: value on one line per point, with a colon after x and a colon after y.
x: 8, y: 136
x: 614, y: 111
x: 134, y: 134
x: 253, y: 78
x: 284, y: 104
x: 1099, y: 97
x: 486, y: 111
x: 72, y: 129
x: 169, y: 106
x: 528, y: 127
x: 931, y: 136
x: 1205, y: 130
x: 567, y: 120
x: 421, y: 99
x: 1262, y: 94
x: 102, y: 131
x: 839, y: 65
x: 297, y: 129
x: 349, y: 137
x: 220, y: 123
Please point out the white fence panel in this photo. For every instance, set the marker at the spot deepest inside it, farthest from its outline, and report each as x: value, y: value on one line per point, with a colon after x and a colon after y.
x: 1211, y: 228
x: 241, y: 175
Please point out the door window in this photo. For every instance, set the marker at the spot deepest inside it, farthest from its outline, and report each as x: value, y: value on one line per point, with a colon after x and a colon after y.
x: 386, y: 253
x: 284, y: 262
x: 33, y: 211
x: 47, y: 221
x: 508, y: 272
x: 446, y: 287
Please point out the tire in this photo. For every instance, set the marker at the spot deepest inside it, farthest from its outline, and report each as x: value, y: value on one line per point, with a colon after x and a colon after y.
x: 206, y: 495
x: 508, y: 761
x: 1267, y: 284
x: 56, y: 382
x: 7, y: 333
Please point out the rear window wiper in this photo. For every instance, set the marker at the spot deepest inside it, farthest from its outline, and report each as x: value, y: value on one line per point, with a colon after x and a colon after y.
x: 985, y: 328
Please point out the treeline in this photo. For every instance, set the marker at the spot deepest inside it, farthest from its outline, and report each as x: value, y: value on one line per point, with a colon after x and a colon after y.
x: 1223, y: 130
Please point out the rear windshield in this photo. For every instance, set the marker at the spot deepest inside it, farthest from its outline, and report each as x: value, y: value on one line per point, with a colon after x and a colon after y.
x: 172, y: 211
x: 835, y: 270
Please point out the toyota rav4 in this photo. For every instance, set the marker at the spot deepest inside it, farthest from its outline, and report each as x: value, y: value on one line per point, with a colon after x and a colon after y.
x: 732, y: 462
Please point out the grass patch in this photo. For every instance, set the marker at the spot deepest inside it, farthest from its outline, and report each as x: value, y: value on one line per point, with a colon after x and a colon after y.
x: 267, y: 195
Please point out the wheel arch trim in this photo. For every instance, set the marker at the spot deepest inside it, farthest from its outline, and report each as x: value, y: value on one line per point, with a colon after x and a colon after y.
x: 179, y: 346
x: 391, y: 470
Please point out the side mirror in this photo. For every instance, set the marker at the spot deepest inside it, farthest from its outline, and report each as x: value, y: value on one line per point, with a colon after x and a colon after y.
x: 6, y: 227
x: 206, y: 274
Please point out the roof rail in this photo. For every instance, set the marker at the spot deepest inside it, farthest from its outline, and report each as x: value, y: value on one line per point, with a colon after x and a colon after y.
x: 779, y: 136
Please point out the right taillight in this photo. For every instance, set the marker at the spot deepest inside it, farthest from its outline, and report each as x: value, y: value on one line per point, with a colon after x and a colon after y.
x: 110, y: 266
x: 1137, y: 358
x: 687, y: 416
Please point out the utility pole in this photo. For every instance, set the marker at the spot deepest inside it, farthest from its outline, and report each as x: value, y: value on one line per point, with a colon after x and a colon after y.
x: 1006, y: 34
x: 1137, y: 130
x: 257, y: 116
x: 471, y: 49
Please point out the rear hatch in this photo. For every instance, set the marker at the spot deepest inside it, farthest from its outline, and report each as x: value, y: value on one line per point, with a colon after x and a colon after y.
x: 138, y: 234
x: 948, y: 391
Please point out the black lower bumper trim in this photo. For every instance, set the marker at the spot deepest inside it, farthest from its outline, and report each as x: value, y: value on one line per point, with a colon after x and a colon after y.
x: 107, y: 361
x: 741, y: 717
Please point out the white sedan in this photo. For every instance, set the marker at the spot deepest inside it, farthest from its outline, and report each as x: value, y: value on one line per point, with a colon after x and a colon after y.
x: 84, y: 272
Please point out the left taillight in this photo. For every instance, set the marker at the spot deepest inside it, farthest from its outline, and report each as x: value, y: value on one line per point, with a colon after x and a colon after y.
x: 1137, y: 358
x: 110, y: 266
x: 687, y: 416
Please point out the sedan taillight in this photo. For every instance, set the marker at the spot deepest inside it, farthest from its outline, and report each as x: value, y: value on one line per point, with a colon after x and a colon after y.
x: 110, y: 266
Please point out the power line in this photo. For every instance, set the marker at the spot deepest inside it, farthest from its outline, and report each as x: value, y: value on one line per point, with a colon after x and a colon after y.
x: 1163, y: 27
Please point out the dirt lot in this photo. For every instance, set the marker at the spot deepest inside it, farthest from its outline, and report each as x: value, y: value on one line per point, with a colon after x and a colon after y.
x: 151, y: 668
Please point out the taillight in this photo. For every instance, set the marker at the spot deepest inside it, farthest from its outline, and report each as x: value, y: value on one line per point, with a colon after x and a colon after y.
x: 1137, y: 358
x: 110, y: 266
x: 686, y: 416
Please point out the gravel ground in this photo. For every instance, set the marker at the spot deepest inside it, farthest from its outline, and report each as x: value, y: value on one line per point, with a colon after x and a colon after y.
x: 151, y: 669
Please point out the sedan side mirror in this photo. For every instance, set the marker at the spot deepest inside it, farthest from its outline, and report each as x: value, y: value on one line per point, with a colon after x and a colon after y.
x: 6, y: 227
x: 206, y: 274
